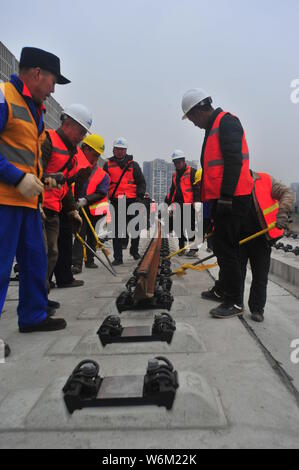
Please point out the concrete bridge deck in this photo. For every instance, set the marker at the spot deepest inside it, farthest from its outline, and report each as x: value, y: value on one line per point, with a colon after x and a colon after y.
x: 238, y: 386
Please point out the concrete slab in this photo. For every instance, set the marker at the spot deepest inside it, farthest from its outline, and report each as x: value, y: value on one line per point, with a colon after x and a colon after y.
x: 279, y: 329
x: 16, y: 406
x: 286, y: 268
x: 258, y: 406
x: 186, y: 340
x: 196, y: 406
x: 183, y: 309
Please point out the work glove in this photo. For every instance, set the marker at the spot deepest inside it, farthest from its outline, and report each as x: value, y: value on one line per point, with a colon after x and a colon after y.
x: 282, y: 221
x: 30, y: 186
x: 53, y: 181
x: 76, y: 220
x: 197, y: 207
x: 224, y: 206
x: 82, y: 202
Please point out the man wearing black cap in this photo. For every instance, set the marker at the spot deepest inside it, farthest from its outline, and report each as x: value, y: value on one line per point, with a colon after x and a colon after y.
x: 21, y: 135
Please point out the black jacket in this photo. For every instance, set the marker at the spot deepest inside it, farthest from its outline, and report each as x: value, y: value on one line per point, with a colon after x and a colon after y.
x: 179, y: 195
x: 137, y: 174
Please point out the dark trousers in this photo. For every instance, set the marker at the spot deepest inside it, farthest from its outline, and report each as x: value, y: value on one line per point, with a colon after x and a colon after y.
x: 184, y: 235
x: 87, y: 235
x: 51, y: 234
x: 207, y: 230
x: 226, y: 247
x: 258, y: 253
x: 63, y: 268
x: 121, y: 238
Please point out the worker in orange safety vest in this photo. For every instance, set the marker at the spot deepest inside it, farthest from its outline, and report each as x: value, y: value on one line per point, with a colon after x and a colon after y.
x: 271, y: 202
x: 227, y: 184
x: 91, y: 192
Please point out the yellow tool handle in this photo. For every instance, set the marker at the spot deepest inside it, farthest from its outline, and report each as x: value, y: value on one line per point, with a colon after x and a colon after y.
x: 186, y: 267
x: 205, y: 267
x: 178, y: 252
x: 99, y: 244
x: 83, y: 246
x: 259, y: 234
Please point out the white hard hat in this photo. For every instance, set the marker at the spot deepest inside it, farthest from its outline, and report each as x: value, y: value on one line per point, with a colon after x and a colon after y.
x: 80, y: 114
x: 193, y: 97
x: 120, y: 143
x: 177, y: 155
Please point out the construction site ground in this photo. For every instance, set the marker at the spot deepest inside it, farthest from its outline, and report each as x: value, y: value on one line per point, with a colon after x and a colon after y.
x: 238, y: 385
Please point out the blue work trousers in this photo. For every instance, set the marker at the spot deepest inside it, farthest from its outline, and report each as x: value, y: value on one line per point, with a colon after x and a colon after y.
x: 21, y: 236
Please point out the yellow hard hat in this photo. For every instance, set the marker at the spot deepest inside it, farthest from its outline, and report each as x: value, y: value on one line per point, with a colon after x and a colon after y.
x: 198, y: 176
x: 96, y: 142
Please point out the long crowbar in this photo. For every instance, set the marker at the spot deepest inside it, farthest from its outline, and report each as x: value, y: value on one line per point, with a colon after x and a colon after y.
x: 84, y: 244
x: 181, y: 271
x: 100, y: 245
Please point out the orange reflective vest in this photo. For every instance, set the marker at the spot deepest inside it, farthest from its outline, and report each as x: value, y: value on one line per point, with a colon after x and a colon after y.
x: 186, y: 186
x: 213, y: 167
x: 267, y: 206
x: 20, y: 144
x: 101, y: 207
x: 60, y: 156
x: 127, y: 187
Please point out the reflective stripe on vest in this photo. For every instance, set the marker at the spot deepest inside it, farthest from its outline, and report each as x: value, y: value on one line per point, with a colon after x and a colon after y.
x: 271, y: 209
x: 96, y: 177
x: 19, y: 112
x: 100, y: 208
x: 127, y: 187
x: 213, y: 164
x: 20, y: 144
x: 268, y: 206
x: 14, y: 155
x: 186, y: 187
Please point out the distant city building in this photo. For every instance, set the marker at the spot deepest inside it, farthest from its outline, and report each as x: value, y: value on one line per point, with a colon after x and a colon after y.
x: 158, y: 176
x: 8, y: 66
x: 295, y: 188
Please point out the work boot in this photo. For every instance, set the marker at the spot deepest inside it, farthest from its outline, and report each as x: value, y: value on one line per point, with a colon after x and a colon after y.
x: 53, y: 304
x: 49, y: 324
x: 73, y: 283
x: 257, y: 317
x: 212, y: 294
x: 50, y: 311
x: 227, y: 310
x: 76, y: 269
x: 136, y: 256
x: 7, y: 350
x: 91, y: 265
x: 117, y: 262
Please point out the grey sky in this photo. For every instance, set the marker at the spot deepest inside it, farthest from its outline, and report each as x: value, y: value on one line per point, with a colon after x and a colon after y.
x: 130, y: 62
